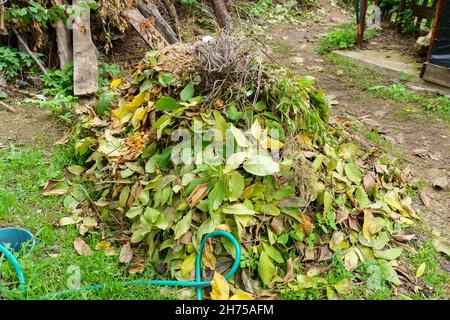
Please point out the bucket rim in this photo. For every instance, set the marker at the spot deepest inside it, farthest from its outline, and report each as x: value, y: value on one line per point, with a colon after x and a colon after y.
x: 32, y: 239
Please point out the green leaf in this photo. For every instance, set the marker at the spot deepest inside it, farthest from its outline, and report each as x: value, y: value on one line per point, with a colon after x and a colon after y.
x: 361, y: 197
x: 134, y: 212
x: 389, y: 272
x: 188, y: 92
x: 345, y: 286
x: 389, y: 254
x: 236, y: 186
x: 238, y: 208
x: 103, y: 106
x: 151, y: 215
x: 273, y: 253
x: 234, y: 161
x: 261, y: 165
x: 165, y: 79
x: 183, y: 225
x: 239, y: 136
x: 421, y: 270
x: 216, y: 195
x: 352, y: 172
x: 167, y: 104
x: 266, y: 268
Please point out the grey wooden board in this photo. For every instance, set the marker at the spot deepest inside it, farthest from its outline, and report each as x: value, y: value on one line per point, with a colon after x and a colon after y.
x: 85, y: 68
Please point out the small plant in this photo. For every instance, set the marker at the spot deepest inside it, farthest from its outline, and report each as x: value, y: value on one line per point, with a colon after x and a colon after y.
x: 342, y: 38
x: 194, y: 4
x: 13, y: 62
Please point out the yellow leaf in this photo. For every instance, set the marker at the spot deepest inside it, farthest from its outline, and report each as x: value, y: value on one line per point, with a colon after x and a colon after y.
x: 220, y: 287
x: 273, y: 144
x: 188, y: 265
x: 115, y: 83
x: 421, y: 270
x: 306, y: 140
x: 241, y: 295
x: 371, y: 225
x: 391, y: 200
x: 136, y: 102
x: 139, y: 115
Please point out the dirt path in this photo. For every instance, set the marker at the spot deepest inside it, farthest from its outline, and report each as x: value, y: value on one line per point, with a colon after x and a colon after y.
x: 423, y: 140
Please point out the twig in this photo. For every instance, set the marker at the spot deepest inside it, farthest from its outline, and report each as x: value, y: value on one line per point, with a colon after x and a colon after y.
x: 19, y: 91
x: 32, y: 55
x: 11, y: 109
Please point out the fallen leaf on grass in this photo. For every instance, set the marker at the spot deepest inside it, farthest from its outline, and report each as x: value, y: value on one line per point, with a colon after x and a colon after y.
x: 136, y: 268
x: 55, y: 187
x: 289, y: 271
x: 81, y: 247
x: 126, y: 254
x: 421, y: 270
x: 106, y: 245
x: 442, y: 245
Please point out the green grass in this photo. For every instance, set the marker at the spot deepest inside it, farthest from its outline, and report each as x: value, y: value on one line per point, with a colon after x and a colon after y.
x: 380, y: 86
x: 342, y: 38
x: 434, y: 277
x: 48, y: 266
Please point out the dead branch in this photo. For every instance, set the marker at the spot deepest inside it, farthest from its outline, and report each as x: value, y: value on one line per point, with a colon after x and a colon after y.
x: 27, y: 49
x: 151, y: 12
x: 29, y: 94
x: 8, y: 107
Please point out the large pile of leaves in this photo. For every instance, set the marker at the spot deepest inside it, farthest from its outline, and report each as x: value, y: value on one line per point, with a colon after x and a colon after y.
x: 163, y: 168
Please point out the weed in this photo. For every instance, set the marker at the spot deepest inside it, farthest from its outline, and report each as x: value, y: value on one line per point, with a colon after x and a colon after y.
x: 341, y: 38
x: 13, y: 62
x: 51, y: 265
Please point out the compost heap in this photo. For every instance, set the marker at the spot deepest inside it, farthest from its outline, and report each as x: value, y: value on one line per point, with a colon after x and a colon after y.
x: 200, y: 139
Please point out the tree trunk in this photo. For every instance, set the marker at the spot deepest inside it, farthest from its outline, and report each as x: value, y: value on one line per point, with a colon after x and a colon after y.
x: 149, y: 11
x: 145, y: 29
x: 63, y: 40
x: 85, y: 69
x: 221, y: 12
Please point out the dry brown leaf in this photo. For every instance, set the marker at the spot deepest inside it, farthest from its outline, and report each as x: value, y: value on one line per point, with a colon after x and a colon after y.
x: 209, y: 259
x: 341, y: 214
x: 197, y: 194
x: 277, y: 225
x: 126, y: 254
x: 426, y: 199
x: 55, y: 187
x: 403, y: 237
x: 136, y: 268
x: 369, y: 180
x: 81, y: 247
x: 289, y: 271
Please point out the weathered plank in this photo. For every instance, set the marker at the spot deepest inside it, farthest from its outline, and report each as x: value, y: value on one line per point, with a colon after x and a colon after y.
x: 145, y: 28
x: 85, y: 68
x: 63, y: 39
x: 436, y: 74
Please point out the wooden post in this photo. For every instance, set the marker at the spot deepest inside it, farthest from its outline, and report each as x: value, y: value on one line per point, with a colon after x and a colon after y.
x: 362, y: 22
x: 63, y: 40
x: 85, y: 68
x: 437, y: 17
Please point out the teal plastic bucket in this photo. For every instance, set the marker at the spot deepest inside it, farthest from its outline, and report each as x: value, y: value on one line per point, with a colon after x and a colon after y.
x: 16, y: 239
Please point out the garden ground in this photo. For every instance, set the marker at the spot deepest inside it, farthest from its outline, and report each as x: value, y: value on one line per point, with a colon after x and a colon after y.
x: 393, y: 119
